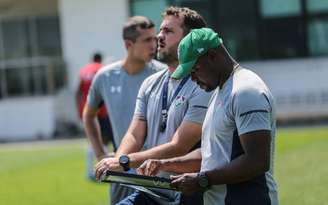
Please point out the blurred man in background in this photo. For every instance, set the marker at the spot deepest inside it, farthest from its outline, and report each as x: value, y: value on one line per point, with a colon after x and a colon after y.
x: 169, y: 113
x: 117, y: 85
x: 86, y: 76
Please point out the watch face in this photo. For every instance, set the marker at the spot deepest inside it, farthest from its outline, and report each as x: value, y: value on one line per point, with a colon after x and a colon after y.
x: 203, y: 182
x: 124, y: 162
x: 124, y: 159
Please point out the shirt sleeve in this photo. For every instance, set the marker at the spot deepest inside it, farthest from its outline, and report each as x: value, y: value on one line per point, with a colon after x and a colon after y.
x: 197, y: 106
x: 252, y: 111
x: 94, y: 96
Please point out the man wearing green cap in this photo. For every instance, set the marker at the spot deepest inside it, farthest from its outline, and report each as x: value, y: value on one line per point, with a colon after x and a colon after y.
x: 235, y: 163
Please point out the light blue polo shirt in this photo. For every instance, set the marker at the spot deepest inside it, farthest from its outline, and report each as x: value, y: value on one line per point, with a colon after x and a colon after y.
x: 118, y: 90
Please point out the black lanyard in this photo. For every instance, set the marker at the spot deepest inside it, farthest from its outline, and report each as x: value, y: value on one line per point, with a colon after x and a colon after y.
x: 165, y: 104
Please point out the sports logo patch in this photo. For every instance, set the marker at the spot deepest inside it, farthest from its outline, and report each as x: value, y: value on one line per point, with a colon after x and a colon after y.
x: 115, y: 89
x: 179, y: 100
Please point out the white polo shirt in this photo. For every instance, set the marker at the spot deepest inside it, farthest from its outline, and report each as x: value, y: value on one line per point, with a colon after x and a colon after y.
x: 243, y: 104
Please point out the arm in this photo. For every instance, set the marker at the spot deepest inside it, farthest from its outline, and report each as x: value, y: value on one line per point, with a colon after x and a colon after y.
x: 79, y: 100
x: 134, y: 138
x: 132, y: 142
x: 93, y: 132
x: 183, y: 140
x: 255, y: 161
x: 252, y: 114
x: 187, y: 163
x: 78, y: 96
x: 186, y: 136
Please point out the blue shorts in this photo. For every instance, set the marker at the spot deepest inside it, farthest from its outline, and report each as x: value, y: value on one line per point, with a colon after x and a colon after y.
x: 141, y: 198
x: 137, y: 198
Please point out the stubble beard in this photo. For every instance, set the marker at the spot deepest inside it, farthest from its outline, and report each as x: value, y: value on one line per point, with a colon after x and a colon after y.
x: 169, y: 57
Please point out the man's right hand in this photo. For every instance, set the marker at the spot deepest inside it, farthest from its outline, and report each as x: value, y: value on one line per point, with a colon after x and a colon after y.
x: 108, y: 163
x: 151, y: 167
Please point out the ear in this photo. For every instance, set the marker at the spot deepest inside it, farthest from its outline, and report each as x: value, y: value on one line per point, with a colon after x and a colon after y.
x: 212, y: 55
x: 128, y: 44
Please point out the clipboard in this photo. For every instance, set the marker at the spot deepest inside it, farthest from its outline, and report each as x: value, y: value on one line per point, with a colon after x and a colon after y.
x: 137, y: 180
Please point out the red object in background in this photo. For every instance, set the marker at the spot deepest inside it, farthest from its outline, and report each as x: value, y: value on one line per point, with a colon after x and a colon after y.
x: 86, y: 75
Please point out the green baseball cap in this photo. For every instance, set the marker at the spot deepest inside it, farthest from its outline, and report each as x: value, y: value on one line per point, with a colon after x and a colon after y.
x: 192, y: 46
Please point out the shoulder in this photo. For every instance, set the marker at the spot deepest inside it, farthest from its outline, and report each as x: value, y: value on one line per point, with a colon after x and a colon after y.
x: 156, y: 77
x: 247, y: 82
x: 116, y: 66
x: 156, y: 66
x: 248, y: 87
x: 110, y: 69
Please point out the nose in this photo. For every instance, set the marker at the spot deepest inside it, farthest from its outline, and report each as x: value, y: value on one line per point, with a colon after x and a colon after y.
x: 160, y: 36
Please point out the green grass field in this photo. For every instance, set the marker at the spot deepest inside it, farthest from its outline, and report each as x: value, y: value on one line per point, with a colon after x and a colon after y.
x: 49, y: 173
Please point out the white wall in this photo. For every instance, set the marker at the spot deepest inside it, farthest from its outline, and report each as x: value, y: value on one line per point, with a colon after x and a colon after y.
x: 88, y: 26
x: 27, y: 118
x: 300, y: 86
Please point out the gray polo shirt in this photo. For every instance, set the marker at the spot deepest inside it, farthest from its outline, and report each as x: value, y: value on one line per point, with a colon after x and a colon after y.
x: 190, y: 104
x: 118, y: 90
x: 243, y: 104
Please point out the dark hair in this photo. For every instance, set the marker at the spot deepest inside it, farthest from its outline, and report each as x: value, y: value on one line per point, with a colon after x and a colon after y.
x: 191, y: 19
x: 97, y: 57
x: 130, y: 29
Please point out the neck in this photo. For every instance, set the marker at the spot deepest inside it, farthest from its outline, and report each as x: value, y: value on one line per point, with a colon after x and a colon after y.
x: 133, y: 66
x: 227, y: 71
x: 172, y: 65
x: 172, y: 69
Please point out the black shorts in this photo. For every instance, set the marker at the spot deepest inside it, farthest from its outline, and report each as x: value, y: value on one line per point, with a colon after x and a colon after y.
x: 106, y: 130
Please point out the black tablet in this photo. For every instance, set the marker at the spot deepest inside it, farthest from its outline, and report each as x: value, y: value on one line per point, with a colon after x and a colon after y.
x: 137, y: 180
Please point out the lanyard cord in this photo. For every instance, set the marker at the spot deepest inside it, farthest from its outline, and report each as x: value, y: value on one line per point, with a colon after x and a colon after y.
x: 165, y: 104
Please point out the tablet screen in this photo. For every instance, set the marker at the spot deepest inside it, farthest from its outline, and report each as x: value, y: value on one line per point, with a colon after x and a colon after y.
x: 139, y: 180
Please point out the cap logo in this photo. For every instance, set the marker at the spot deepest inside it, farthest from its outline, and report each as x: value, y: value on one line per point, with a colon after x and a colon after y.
x: 200, y: 50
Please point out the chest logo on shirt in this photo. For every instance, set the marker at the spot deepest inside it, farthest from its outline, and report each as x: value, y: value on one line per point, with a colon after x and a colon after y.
x: 179, y: 100
x: 115, y: 89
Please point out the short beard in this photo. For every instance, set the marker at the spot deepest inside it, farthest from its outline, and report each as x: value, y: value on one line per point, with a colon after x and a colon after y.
x: 167, y: 58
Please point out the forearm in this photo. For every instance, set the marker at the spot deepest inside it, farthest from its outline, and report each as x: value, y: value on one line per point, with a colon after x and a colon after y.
x: 254, y: 162
x: 240, y: 169
x: 164, y: 151
x: 184, y: 164
x: 128, y: 145
x: 93, y: 133
x: 185, y: 137
x: 134, y: 138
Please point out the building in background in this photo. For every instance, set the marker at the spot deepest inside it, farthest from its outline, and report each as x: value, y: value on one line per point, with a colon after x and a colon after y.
x: 43, y: 43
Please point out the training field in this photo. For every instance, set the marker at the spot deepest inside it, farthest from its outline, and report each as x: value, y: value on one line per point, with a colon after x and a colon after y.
x: 53, y: 173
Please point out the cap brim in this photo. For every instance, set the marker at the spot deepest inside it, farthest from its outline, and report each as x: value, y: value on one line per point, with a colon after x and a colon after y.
x: 183, y: 70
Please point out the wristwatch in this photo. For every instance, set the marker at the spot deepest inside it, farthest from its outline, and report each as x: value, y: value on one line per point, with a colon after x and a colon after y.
x: 203, y: 180
x: 124, y: 161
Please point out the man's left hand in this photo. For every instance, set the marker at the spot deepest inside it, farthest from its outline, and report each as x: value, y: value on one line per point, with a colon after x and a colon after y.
x: 186, y: 183
x: 109, y: 163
